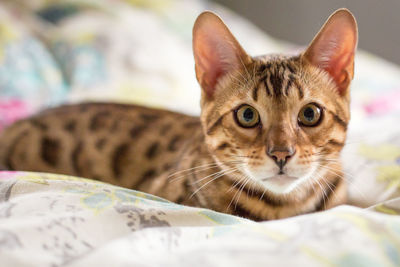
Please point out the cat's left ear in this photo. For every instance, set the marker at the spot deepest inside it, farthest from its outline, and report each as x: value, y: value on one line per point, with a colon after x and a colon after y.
x: 216, y: 51
x: 333, y: 48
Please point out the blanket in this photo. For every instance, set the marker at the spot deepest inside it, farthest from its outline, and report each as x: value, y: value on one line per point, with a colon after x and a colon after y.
x: 55, y: 220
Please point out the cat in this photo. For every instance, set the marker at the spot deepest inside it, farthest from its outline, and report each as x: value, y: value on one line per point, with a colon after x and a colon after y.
x: 266, y: 145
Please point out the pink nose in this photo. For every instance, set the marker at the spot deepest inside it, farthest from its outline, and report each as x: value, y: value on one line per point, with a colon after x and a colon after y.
x: 281, y: 155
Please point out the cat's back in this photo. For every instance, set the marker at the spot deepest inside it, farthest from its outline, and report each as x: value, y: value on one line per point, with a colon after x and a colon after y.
x: 117, y: 143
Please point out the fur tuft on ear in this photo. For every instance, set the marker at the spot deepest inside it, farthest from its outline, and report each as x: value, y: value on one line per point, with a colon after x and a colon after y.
x: 333, y: 48
x: 216, y: 51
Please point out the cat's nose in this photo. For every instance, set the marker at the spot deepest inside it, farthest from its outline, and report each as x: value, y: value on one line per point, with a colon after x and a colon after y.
x: 281, y: 155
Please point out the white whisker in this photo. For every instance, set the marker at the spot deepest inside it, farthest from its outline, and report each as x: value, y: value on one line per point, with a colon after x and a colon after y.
x: 213, y: 179
x: 216, y: 173
x: 197, y: 169
x: 241, y: 190
x: 239, y: 182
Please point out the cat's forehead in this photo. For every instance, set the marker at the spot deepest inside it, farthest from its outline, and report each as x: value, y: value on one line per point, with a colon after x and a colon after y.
x: 276, y: 82
x: 276, y: 64
x: 283, y: 77
x: 277, y: 77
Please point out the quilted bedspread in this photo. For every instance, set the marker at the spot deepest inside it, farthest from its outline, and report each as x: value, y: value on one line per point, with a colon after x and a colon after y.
x: 136, y: 51
x: 54, y: 220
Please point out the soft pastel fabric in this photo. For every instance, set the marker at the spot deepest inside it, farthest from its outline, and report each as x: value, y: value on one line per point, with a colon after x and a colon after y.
x: 54, y: 220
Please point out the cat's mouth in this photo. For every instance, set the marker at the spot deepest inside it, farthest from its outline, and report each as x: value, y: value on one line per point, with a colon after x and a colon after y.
x: 275, y: 182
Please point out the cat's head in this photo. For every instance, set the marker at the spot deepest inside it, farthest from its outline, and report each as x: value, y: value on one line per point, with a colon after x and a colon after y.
x: 278, y: 120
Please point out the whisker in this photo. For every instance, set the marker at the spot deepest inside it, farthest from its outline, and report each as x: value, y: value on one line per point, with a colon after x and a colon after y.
x: 329, y: 184
x: 236, y: 156
x: 252, y: 187
x: 200, y: 166
x: 241, y: 190
x: 324, y: 195
x: 234, y: 185
x: 341, y: 175
x: 310, y: 184
x: 197, y: 169
x: 192, y: 172
x: 336, y: 171
x: 234, y: 196
x: 213, y: 179
x: 216, y: 173
x: 265, y: 190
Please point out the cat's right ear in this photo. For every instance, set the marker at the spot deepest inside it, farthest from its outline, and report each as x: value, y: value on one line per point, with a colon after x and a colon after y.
x: 216, y: 51
x: 334, y: 47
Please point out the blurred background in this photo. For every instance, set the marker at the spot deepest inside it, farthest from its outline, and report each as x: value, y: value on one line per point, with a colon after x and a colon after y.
x: 298, y: 21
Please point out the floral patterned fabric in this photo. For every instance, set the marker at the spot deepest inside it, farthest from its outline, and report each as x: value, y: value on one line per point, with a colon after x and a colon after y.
x: 54, y: 220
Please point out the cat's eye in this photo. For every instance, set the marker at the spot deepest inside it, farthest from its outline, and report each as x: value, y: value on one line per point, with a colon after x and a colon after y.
x: 247, y: 116
x: 310, y: 115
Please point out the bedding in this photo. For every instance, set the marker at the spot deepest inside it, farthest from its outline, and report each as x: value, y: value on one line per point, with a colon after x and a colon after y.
x: 132, y: 51
x: 55, y: 220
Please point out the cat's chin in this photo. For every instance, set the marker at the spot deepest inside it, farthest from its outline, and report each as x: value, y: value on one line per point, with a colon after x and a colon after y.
x: 281, y: 184
x: 278, y: 184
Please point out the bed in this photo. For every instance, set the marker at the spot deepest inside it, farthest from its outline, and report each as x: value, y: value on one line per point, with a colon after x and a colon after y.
x: 54, y: 52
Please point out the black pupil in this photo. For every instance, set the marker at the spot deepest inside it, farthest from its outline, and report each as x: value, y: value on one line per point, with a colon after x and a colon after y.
x: 248, y: 115
x: 309, y: 114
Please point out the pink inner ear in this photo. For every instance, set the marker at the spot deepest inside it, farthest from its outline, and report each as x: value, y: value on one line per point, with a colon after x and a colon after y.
x: 216, y: 51
x: 340, y: 60
x: 209, y: 67
x: 215, y: 57
x: 341, y: 70
x: 334, y: 47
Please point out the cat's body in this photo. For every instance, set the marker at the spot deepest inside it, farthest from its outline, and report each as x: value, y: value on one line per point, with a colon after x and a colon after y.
x: 121, y: 144
x: 146, y: 149
x: 266, y: 145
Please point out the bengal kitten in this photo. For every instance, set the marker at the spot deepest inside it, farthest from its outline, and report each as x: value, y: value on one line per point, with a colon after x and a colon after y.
x: 266, y: 145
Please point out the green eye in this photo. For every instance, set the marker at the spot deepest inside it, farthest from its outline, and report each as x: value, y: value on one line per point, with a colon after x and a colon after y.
x: 247, y: 116
x: 310, y: 115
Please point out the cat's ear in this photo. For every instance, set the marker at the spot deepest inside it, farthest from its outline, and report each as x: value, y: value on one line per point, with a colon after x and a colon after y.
x: 216, y: 51
x: 333, y: 48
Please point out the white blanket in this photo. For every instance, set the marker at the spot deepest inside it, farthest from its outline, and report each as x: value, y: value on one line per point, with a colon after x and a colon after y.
x: 53, y: 220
